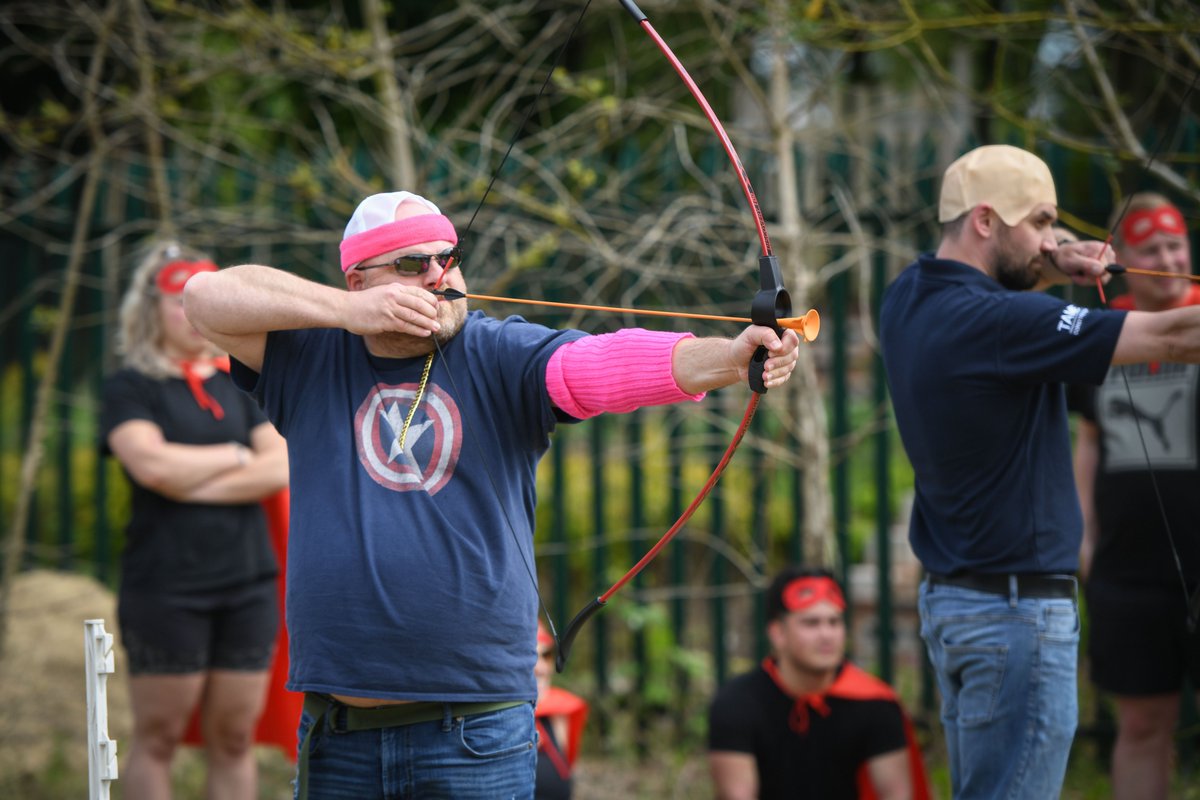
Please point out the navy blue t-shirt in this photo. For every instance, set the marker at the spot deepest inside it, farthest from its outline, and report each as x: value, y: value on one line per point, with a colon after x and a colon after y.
x: 976, y: 373
x: 404, y: 579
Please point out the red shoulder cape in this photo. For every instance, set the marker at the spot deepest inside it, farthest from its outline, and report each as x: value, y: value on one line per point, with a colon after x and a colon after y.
x: 1125, y: 301
x: 281, y: 717
x: 856, y: 684
x: 559, y: 702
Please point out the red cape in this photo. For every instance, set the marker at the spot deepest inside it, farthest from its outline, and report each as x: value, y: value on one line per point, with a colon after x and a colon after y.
x: 281, y: 717
x: 1125, y: 301
x: 560, y: 702
x: 855, y: 684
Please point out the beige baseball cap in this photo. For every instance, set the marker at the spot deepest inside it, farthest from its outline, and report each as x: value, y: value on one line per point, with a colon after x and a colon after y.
x: 1009, y: 179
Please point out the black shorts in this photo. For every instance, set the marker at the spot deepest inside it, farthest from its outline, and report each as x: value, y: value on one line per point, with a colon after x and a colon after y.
x: 1138, y: 641
x: 173, y: 634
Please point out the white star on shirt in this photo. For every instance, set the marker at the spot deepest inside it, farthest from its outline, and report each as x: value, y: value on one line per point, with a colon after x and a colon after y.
x: 394, y: 415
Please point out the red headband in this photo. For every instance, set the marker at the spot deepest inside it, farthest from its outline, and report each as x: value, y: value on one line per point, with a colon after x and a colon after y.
x: 171, y: 278
x: 810, y: 590
x: 544, y: 639
x: 1140, y: 225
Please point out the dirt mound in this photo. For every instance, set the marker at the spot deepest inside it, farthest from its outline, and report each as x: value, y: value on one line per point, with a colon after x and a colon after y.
x: 43, y: 697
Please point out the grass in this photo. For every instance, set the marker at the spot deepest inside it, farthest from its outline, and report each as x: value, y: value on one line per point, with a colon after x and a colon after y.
x: 614, y: 776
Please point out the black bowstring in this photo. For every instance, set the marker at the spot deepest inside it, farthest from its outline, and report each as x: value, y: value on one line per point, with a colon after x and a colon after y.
x: 526, y: 558
x: 1191, y: 601
x: 528, y: 113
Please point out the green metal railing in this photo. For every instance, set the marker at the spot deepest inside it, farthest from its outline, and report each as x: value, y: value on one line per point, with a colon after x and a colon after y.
x: 602, y: 503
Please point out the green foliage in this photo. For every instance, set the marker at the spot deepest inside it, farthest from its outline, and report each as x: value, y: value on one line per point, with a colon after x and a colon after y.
x: 65, y: 534
x: 666, y: 661
x: 537, y: 255
x: 58, y: 780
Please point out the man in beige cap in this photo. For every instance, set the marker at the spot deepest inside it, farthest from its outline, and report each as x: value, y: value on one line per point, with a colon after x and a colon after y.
x: 414, y: 430
x: 976, y: 366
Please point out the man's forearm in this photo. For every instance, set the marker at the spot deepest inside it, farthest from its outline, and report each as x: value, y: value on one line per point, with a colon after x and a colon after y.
x: 256, y: 299
x: 701, y: 365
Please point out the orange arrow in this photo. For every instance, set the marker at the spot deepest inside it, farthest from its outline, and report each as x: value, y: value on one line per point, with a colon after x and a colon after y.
x: 1117, y: 269
x: 807, y: 326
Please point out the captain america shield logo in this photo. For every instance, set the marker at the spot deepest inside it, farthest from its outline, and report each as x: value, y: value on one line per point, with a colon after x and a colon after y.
x: 429, y: 453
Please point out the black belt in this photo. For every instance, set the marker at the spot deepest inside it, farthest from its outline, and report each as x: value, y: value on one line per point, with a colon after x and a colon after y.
x: 1026, y: 585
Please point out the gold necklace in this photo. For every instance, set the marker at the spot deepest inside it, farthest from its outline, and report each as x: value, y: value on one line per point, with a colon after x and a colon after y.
x: 412, y: 410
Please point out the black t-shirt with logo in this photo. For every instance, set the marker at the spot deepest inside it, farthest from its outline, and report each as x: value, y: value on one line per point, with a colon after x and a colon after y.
x: 1155, y: 422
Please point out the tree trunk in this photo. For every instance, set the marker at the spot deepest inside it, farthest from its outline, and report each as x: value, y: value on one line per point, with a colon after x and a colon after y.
x: 14, y: 550
x: 400, y: 168
x: 808, y: 405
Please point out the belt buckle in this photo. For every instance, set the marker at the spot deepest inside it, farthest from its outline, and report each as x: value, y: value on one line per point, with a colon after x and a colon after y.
x: 337, y: 717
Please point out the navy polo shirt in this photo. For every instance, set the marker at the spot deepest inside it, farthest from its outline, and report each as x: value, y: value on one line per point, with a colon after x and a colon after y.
x: 976, y: 373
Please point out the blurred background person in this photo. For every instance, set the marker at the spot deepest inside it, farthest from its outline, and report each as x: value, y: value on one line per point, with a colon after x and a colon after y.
x: 807, y: 723
x: 197, y: 605
x: 559, y: 717
x: 1138, y: 440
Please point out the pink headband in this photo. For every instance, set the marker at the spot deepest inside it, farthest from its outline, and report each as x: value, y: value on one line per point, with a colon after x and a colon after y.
x: 394, y: 235
x: 1140, y: 225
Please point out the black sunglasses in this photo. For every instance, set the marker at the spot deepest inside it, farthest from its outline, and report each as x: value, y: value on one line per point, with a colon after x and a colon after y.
x: 419, y: 264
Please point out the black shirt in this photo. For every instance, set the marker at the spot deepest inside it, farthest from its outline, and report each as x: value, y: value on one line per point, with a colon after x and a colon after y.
x: 187, y: 546
x: 750, y: 715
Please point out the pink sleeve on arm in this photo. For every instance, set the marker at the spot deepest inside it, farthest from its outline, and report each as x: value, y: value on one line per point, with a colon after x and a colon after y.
x: 615, y: 372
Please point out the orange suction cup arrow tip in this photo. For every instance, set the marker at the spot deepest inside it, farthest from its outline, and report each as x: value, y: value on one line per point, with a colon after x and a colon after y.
x: 807, y: 326
x: 812, y: 325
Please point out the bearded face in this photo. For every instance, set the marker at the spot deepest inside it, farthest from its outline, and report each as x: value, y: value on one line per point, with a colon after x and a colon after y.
x: 452, y: 315
x: 1014, y: 266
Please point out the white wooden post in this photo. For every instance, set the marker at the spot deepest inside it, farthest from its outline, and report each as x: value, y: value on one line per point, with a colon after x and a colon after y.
x: 102, y: 751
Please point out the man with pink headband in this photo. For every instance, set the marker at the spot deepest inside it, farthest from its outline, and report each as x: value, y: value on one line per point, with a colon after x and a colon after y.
x: 976, y: 365
x: 807, y: 723
x: 1139, y: 647
x: 413, y: 491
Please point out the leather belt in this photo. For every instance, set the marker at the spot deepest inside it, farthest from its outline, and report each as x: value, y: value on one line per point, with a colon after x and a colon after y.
x: 1026, y: 584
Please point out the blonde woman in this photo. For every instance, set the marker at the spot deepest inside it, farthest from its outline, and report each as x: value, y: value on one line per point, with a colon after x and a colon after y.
x: 198, y: 609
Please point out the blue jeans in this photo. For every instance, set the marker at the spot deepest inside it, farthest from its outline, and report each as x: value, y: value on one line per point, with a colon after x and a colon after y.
x: 1006, y: 668
x: 479, y: 757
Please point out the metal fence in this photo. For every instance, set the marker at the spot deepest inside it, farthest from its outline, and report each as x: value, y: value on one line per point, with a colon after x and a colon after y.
x: 608, y: 488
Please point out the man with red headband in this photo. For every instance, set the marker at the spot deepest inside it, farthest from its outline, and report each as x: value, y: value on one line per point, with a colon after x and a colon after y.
x: 1139, y: 647
x: 976, y: 365
x: 807, y: 723
x: 414, y: 431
